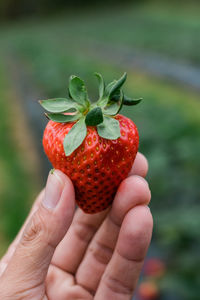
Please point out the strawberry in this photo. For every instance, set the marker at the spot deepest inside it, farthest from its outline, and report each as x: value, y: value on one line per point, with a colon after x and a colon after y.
x: 148, y: 290
x: 91, y: 143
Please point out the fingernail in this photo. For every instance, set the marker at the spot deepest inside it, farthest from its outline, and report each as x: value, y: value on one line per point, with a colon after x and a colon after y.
x: 53, y: 191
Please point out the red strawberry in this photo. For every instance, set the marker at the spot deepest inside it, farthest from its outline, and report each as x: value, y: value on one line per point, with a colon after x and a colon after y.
x: 96, y: 152
x: 154, y: 267
x: 148, y: 290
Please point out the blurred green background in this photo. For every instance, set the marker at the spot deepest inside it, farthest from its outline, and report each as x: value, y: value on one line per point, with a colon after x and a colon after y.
x: 157, y: 43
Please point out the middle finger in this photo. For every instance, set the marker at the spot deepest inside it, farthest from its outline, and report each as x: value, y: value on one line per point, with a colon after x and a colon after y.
x: 133, y: 191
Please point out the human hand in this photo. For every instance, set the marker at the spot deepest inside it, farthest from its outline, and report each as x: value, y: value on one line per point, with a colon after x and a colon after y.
x: 60, y: 255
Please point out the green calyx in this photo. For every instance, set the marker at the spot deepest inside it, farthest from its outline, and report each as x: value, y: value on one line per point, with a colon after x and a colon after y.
x: 79, y: 108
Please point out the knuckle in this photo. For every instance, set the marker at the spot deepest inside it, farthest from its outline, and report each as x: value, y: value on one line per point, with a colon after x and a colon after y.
x: 101, y: 252
x: 118, y: 286
x: 84, y: 231
x: 51, y: 276
x: 35, y: 230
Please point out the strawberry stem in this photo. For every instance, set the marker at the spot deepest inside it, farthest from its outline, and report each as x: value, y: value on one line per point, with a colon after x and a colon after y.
x: 100, y: 114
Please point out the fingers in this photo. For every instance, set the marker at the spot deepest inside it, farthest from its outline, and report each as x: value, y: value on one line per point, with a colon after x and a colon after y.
x: 122, y: 273
x: 133, y: 191
x: 67, y: 255
x: 71, y: 250
x: 61, y: 285
x: 140, y: 166
x: 43, y: 232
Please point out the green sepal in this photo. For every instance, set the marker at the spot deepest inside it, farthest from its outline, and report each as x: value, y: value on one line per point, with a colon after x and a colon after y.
x: 61, y: 118
x: 58, y: 105
x: 116, y: 96
x: 103, y: 102
x: 75, y: 137
x: 69, y: 94
x: 114, y: 105
x: 118, y: 84
x: 101, y: 85
x: 109, y: 129
x: 112, y: 89
x: 94, y: 117
x: 109, y: 87
x: 77, y: 91
x: 129, y: 102
x: 111, y: 99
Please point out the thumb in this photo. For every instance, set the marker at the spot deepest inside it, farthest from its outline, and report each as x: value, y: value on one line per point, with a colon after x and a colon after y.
x: 46, y: 228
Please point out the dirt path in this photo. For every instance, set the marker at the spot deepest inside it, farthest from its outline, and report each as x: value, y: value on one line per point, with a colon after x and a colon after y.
x: 151, y: 63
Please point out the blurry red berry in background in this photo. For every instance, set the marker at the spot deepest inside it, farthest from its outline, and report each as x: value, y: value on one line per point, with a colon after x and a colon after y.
x: 154, y: 267
x: 148, y: 291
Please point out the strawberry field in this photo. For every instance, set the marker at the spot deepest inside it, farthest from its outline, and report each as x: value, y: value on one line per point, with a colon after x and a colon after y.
x: 36, y: 59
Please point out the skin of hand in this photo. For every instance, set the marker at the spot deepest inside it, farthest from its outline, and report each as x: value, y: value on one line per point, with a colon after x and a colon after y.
x: 62, y: 254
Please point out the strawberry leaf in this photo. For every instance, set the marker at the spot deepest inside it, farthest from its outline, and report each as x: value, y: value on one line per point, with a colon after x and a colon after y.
x: 118, y: 84
x: 75, y: 137
x: 58, y: 105
x: 109, y: 87
x: 116, y: 96
x: 111, y: 109
x: 101, y: 85
x: 114, y: 105
x: 61, y: 118
x: 77, y: 91
x: 109, y: 129
x: 112, y: 89
x: 69, y: 94
x: 130, y: 102
x: 94, y: 117
x: 103, y: 101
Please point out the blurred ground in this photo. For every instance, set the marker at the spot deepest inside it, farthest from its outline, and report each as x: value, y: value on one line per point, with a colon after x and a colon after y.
x: 159, y: 47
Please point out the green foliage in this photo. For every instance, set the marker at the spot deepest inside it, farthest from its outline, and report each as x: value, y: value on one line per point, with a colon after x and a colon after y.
x: 101, y: 85
x: 60, y: 118
x: 78, y: 91
x: 10, y: 9
x: 16, y: 185
x: 94, y: 116
x: 58, y: 105
x: 109, y: 129
x: 75, y: 137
